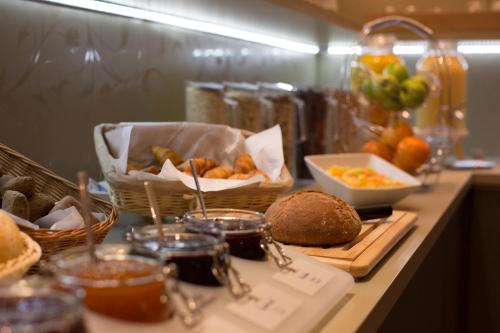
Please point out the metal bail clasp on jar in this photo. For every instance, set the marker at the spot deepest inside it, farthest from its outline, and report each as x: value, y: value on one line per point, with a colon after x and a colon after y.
x: 282, y: 260
x: 227, y: 275
x: 187, y: 308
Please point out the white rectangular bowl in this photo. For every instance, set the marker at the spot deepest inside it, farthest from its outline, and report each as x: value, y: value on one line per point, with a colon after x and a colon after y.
x: 361, y: 197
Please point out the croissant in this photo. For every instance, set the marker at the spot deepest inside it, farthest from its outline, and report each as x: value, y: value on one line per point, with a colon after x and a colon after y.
x: 244, y: 164
x: 201, y: 164
x: 219, y: 172
x: 132, y: 167
x: 150, y: 169
x: 162, y: 154
x: 241, y: 176
x: 244, y: 176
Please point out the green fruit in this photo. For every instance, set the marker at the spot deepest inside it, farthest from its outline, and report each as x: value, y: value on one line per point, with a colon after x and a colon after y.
x: 367, y: 88
x: 398, y: 70
x: 385, y: 87
x: 358, y: 75
x: 393, y: 104
x: 413, y: 92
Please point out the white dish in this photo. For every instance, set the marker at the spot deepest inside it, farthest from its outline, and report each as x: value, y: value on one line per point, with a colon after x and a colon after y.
x: 361, y: 197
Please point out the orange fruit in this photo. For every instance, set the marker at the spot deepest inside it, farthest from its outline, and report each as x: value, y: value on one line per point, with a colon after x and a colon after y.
x: 411, y: 153
x: 378, y: 148
x: 392, y: 135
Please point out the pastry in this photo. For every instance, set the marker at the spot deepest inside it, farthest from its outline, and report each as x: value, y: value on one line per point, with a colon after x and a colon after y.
x: 219, y: 172
x: 162, y: 154
x: 134, y: 167
x: 150, y: 169
x: 201, y: 165
x: 16, y: 203
x: 11, y: 243
x: 25, y: 185
x: 244, y: 164
x: 313, y: 218
x: 243, y: 176
x: 4, y: 179
x: 40, y: 205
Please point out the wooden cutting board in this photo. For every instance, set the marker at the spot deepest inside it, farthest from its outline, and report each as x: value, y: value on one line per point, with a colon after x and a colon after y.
x: 376, y: 238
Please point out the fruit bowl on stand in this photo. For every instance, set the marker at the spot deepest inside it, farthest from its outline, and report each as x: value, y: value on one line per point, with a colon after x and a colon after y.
x: 383, y: 95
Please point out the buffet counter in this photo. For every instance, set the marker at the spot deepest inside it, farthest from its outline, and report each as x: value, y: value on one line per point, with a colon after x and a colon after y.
x: 372, y: 299
x: 434, y: 254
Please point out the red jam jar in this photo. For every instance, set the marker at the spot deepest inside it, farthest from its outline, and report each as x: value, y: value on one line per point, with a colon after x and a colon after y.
x: 122, y: 284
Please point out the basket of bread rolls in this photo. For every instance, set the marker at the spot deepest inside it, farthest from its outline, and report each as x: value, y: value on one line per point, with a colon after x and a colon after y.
x: 29, y: 192
x: 18, y: 252
x: 211, y: 162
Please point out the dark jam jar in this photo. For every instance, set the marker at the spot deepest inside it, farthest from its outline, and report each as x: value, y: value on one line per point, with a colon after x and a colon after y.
x: 247, y: 233
x: 200, y: 258
x: 241, y: 229
x: 42, y: 310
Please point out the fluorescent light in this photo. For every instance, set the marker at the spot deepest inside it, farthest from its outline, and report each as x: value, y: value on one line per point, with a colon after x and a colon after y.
x: 284, y: 86
x: 418, y: 47
x: 189, y: 24
x: 343, y: 49
x: 479, y: 47
x: 413, y: 48
x: 403, y: 48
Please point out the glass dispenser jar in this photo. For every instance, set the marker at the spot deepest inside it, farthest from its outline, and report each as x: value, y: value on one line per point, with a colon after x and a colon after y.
x: 376, y: 54
x: 447, y: 65
x: 243, y: 101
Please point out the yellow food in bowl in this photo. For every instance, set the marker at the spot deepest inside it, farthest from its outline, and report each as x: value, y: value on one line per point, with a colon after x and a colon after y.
x: 362, y: 177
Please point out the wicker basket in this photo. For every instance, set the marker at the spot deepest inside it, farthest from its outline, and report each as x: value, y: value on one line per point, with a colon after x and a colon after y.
x: 15, y: 268
x: 53, y: 241
x: 174, y: 198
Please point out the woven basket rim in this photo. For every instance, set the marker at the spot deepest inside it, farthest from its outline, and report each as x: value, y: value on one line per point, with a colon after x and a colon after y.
x: 50, y: 173
x: 21, y: 264
x: 120, y: 181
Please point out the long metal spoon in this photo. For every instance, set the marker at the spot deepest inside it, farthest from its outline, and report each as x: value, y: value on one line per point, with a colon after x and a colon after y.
x: 85, y: 202
x: 198, y: 189
x: 155, y: 211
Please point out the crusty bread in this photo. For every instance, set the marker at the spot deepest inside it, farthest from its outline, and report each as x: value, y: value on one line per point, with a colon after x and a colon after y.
x: 11, y: 242
x: 313, y: 218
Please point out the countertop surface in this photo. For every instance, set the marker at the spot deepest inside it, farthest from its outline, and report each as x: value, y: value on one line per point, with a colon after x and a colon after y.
x: 364, y: 308
x: 372, y: 297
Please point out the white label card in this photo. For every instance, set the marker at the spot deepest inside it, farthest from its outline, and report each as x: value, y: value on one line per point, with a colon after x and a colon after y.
x: 308, y: 277
x: 216, y: 324
x: 265, y: 306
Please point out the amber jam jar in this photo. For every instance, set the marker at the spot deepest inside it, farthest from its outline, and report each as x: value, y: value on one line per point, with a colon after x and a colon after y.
x: 247, y: 232
x: 25, y: 308
x: 121, y: 284
x: 200, y: 258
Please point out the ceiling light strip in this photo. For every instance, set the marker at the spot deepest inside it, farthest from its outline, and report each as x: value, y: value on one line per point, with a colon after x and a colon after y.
x: 189, y: 24
x: 416, y: 48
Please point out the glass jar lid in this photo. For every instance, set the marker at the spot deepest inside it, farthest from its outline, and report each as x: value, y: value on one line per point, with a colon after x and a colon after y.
x: 177, y: 241
x: 119, y: 265
x: 226, y: 222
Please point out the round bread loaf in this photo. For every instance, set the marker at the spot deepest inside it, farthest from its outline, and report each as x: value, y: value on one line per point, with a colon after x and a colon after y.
x: 313, y: 218
x: 11, y: 242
